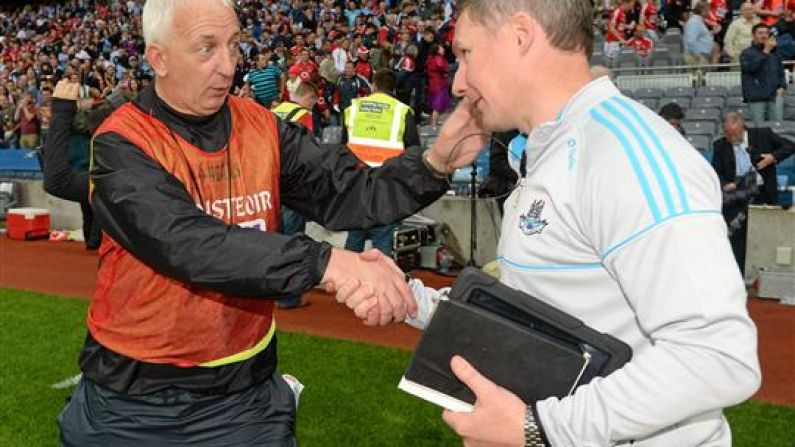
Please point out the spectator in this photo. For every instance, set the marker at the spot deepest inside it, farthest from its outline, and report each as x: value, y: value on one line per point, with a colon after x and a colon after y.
x: 716, y: 20
x: 8, y: 125
x: 739, y: 154
x: 675, y: 12
x: 698, y: 38
x: 44, y: 114
x: 340, y: 54
x: 739, y: 35
x: 617, y: 27
x: 763, y: 79
x: 349, y: 87
x: 370, y: 125
x: 362, y: 66
x: 406, y: 68
x: 438, y: 83
x: 769, y: 10
x: 266, y: 81
x: 640, y: 42
x: 674, y: 115
x: 28, y: 122
x: 784, y: 31
x: 648, y: 15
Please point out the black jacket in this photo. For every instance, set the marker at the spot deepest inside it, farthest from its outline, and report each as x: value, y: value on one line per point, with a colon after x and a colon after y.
x: 762, y: 74
x: 325, y: 184
x: 761, y: 140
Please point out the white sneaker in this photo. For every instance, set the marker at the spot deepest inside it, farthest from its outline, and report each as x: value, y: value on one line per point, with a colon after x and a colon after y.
x: 295, y: 385
x: 427, y: 300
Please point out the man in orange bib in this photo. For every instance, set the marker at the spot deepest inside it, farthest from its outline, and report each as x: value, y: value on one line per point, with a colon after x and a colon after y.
x: 187, y: 184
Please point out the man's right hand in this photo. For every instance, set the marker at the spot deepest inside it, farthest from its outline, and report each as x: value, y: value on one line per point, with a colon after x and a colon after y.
x: 730, y: 187
x: 67, y: 90
x: 383, y: 295
x: 770, y: 44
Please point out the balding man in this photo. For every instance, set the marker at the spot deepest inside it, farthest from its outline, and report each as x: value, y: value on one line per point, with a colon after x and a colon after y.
x: 187, y: 185
x: 739, y: 154
x: 739, y: 35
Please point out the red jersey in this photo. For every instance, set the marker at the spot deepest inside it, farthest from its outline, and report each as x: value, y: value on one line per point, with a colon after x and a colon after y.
x: 771, y: 5
x: 308, y: 66
x: 618, y: 20
x: 407, y: 63
x: 649, y: 14
x: 364, y: 69
x: 296, y: 50
x: 643, y: 45
x: 717, y: 13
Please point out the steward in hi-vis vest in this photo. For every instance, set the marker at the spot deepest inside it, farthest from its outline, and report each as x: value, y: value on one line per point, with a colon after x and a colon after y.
x: 379, y: 126
x: 294, y: 113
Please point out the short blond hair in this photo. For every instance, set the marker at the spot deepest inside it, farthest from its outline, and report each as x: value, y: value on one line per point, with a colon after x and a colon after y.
x: 567, y: 23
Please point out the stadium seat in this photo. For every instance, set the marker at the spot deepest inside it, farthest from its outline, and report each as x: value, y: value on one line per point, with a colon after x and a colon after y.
x: 658, y: 64
x: 713, y: 90
x: 683, y: 101
x: 734, y: 101
x: 671, y: 40
x: 680, y: 91
x: 651, y: 103
x: 708, y: 101
x: 699, y: 127
x: 705, y: 114
x: 659, y: 59
x: 700, y: 142
x: 647, y: 92
x: 789, y: 113
x: 736, y: 90
x: 782, y: 127
x: 789, y: 101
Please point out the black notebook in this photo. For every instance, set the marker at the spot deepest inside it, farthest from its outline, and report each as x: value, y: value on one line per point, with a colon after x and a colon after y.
x: 515, y: 340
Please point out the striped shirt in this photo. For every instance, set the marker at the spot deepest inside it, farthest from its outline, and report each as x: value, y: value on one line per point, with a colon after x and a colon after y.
x: 265, y: 83
x: 618, y: 222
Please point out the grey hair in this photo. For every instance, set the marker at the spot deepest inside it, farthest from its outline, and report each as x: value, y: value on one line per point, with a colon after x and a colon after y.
x: 158, y: 18
x: 567, y: 23
x: 732, y: 118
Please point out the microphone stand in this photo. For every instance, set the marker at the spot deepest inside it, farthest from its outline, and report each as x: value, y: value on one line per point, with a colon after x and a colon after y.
x: 473, y: 225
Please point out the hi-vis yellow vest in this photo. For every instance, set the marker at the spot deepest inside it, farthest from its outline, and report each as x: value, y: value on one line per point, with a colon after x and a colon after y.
x: 375, y: 128
x: 286, y: 108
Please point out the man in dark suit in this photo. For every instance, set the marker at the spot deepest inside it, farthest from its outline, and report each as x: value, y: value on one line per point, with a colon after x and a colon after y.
x: 739, y: 153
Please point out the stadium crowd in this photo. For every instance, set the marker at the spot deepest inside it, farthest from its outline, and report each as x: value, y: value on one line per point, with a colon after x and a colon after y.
x: 335, y: 45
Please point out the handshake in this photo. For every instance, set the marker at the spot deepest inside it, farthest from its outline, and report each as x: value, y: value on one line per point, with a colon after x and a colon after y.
x: 376, y: 290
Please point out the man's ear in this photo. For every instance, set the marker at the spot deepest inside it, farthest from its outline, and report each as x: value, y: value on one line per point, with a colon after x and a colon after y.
x: 524, y: 28
x: 156, y: 56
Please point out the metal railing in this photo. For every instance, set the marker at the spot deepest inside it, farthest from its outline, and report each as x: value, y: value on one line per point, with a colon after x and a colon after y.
x: 717, y: 75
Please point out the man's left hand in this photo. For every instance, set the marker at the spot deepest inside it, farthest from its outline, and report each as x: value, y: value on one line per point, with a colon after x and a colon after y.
x: 767, y: 160
x: 460, y: 139
x: 498, y: 417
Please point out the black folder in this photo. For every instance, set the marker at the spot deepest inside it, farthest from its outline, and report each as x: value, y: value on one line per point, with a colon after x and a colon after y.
x: 517, y: 341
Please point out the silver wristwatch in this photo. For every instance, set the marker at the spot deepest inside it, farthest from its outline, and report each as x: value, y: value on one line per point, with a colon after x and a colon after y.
x: 532, y: 435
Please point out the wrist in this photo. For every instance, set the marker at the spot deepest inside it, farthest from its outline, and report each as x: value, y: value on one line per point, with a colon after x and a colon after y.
x: 432, y: 162
x: 335, y: 269
x: 533, y: 436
